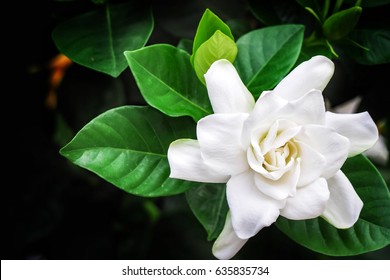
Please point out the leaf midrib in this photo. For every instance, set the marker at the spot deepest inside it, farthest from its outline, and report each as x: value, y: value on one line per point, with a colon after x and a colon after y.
x: 169, y: 87
x: 82, y: 150
x: 254, y: 77
x: 110, y: 36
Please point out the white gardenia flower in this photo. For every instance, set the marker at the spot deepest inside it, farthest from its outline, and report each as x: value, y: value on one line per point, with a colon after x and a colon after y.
x: 280, y: 155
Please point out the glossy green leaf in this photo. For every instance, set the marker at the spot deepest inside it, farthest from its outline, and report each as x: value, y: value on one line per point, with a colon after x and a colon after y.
x: 340, y: 24
x: 168, y: 82
x: 262, y: 62
x: 217, y: 47
x: 98, y: 39
x: 375, y: 46
x: 127, y: 146
x: 209, y: 205
x: 370, y: 232
x: 208, y: 25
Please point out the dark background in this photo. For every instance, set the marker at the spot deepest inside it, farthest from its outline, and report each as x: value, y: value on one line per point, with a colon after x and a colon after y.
x: 56, y: 210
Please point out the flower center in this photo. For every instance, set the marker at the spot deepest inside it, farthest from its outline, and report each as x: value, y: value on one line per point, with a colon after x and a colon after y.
x: 279, y: 157
x: 273, y: 150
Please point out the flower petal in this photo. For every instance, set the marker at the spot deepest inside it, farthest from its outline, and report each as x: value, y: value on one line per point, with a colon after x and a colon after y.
x: 309, y: 201
x: 227, y: 92
x: 359, y: 128
x: 250, y: 209
x: 269, y: 150
x: 307, y: 109
x: 219, y: 137
x: 278, y: 134
x: 314, y: 73
x: 312, y: 164
x: 186, y: 163
x: 333, y: 146
x: 344, y: 205
x: 264, y: 113
x: 284, y: 186
x: 228, y: 243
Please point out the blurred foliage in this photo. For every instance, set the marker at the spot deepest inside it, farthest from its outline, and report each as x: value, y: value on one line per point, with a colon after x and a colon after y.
x: 56, y: 210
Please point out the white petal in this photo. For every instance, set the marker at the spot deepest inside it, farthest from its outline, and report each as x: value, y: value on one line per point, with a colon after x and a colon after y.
x: 312, y: 164
x: 267, y: 105
x: 283, y: 187
x: 333, y: 146
x: 250, y: 209
x: 344, y: 205
x: 219, y: 137
x: 227, y: 92
x: 308, y: 109
x: 277, y: 135
x: 264, y: 113
x: 228, y: 243
x: 359, y: 128
x: 186, y: 163
x: 314, y: 73
x: 266, y: 139
x: 309, y: 201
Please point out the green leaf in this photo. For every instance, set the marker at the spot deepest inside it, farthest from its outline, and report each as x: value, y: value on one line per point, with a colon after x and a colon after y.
x: 217, y: 47
x: 262, y: 62
x: 168, y: 82
x: 209, y: 205
x: 372, y: 230
x: 340, y: 24
x: 98, y: 39
x: 208, y: 25
x: 377, y: 41
x: 127, y: 146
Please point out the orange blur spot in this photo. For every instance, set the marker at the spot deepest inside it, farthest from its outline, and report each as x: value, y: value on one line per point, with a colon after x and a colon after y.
x: 58, y: 66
